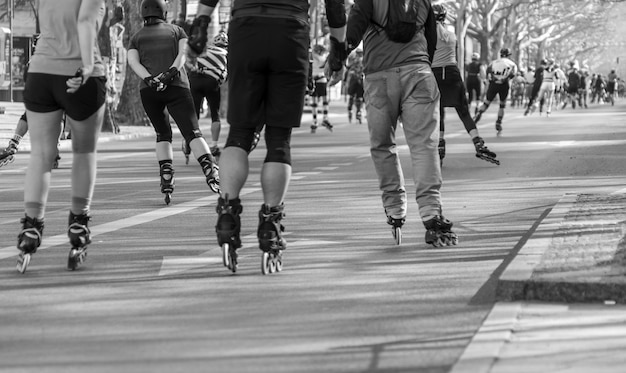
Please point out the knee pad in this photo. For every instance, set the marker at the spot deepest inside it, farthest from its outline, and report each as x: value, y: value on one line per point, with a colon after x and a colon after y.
x: 164, y: 137
x: 188, y: 136
x: 240, y: 138
x: 278, y: 141
x: 502, y: 104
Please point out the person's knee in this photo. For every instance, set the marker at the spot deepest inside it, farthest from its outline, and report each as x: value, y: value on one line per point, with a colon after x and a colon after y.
x: 190, y: 135
x: 240, y: 138
x: 278, y: 141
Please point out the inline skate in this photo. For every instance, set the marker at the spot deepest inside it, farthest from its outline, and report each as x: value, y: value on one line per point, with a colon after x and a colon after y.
x: 211, y: 172
x: 498, y: 127
x: 55, y: 165
x: 482, y: 152
x: 359, y: 117
x: 28, y: 241
x: 396, y: 228
x: 326, y: 124
x: 186, y: 150
x: 167, y: 181
x: 80, y: 236
x: 8, y: 154
x: 270, y: 237
x: 439, y: 232
x: 228, y: 229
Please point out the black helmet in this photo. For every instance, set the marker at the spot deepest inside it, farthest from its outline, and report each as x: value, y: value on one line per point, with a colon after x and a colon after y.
x: 153, y: 8
x: 440, y: 12
x: 505, y: 52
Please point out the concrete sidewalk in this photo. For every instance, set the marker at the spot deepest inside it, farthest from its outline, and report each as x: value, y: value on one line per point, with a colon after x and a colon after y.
x: 561, y: 301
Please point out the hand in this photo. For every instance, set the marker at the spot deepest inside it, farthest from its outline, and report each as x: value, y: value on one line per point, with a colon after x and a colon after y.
x: 154, y: 83
x: 333, y: 77
x: 338, y: 54
x: 167, y: 76
x: 80, y: 77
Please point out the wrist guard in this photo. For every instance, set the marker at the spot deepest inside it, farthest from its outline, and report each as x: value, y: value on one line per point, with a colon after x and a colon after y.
x: 338, y: 54
x: 167, y: 77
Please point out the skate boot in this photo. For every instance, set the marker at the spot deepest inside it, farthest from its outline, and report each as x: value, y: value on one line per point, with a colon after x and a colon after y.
x: 349, y: 116
x: 327, y: 125
x: 8, y: 154
x: 527, y: 111
x: 482, y: 152
x: 167, y: 181
x: 439, y: 232
x: 215, y: 151
x: 270, y: 237
x: 228, y: 228
x: 442, y: 150
x: 186, y: 150
x: 211, y: 172
x: 477, y: 117
x: 313, y: 127
x: 498, y: 127
x: 396, y: 228
x: 80, y: 236
x: 55, y: 165
x: 358, y: 117
x: 28, y: 240
x: 255, y: 141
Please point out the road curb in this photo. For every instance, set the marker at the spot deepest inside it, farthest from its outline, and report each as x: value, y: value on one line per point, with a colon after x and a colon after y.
x: 562, y: 262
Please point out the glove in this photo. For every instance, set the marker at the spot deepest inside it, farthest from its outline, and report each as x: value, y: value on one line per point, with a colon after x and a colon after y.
x: 338, y: 54
x: 199, y: 34
x: 153, y: 83
x: 167, y: 77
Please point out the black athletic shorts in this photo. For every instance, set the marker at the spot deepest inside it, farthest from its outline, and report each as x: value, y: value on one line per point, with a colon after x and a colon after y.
x: 268, y: 63
x: 46, y: 93
x: 450, y: 85
x: 497, y: 89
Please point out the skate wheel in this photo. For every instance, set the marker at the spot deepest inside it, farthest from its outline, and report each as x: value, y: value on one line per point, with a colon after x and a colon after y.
x: 225, y: 256
x: 279, y: 263
x: 265, y: 265
x: 215, y: 187
x: 72, y: 260
x: 397, y: 234
x: 168, y: 198
x: 23, y: 261
x: 272, y: 263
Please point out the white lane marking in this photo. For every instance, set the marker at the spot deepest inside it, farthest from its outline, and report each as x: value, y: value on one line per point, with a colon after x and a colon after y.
x: 326, y: 168
x: 178, y: 264
x: 163, y: 212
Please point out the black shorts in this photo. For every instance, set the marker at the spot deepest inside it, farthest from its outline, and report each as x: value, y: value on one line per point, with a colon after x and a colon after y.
x: 267, y: 80
x: 450, y: 86
x: 321, y: 89
x: 497, y: 89
x: 46, y: 93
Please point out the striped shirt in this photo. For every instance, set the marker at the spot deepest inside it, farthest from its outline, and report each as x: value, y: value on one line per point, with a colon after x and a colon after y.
x: 213, y: 63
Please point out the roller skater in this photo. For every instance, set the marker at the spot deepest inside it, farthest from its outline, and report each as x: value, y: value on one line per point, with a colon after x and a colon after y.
x: 28, y: 241
x: 228, y: 229
x: 156, y: 54
x: 320, y: 92
x: 482, y: 152
x: 167, y: 180
x: 500, y: 73
x: 80, y: 236
x: 451, y: 87
x: 439, y: 232
x: 396, y: 228
x: 270, y: 237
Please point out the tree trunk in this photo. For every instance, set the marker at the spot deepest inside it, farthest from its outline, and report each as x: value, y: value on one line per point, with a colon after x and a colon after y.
x: 130, y: 111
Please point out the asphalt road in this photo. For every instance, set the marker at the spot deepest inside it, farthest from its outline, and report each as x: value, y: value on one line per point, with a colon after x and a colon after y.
x: 153, y: 295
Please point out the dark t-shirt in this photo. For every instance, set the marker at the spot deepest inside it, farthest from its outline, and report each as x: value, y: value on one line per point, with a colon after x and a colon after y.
x: 157, y: 46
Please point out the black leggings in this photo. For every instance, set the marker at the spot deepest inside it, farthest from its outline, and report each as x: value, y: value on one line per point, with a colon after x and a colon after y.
x: 179, y: 104
x: 203, y: 86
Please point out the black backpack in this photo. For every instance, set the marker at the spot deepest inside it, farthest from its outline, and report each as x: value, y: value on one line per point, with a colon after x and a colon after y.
x: 401, y: 20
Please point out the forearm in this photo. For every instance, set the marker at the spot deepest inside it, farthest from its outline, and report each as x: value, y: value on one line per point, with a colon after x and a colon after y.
x: 136, y: 66
x: 86, y: 29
